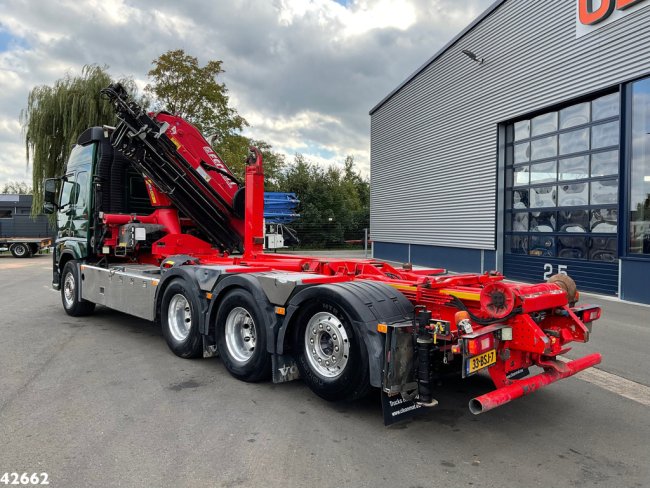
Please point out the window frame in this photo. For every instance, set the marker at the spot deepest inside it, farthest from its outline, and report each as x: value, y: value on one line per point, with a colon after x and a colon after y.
x: 626, y: 169
x: 509, y: 178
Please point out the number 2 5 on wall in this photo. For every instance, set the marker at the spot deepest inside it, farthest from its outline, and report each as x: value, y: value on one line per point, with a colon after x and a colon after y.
x: 548, y: 270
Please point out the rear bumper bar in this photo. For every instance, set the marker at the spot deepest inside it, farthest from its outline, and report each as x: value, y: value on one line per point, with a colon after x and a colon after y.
x: 526, y: 386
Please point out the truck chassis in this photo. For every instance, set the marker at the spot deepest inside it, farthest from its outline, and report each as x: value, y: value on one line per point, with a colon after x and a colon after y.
x: 195, y: 264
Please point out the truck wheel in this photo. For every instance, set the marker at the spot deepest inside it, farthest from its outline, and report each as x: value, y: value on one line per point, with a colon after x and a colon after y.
x: 179, y: 315
x: 241, y: 337
x: 331, y: 359
x: 69, y: 292
x: 20, y: 250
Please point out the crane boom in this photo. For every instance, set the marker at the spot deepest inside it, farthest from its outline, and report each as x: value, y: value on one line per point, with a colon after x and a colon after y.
x: 192, y: 175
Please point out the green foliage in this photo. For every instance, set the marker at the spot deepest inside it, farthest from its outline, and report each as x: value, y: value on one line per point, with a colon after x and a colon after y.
x: 233, y: 149
x: 180, y: 86
x: 334, y: 202
x: 274, y: 165
x: 16, y: 188
x: 56, y: 115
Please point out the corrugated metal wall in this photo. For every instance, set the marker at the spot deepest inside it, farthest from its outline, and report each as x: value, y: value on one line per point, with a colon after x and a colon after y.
x: 434, y: 143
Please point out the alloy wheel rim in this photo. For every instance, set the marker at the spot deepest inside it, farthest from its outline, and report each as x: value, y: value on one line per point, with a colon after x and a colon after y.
x: 69, y: 290
x: 327, y: 345
x: 179, y: 317
x: 241, y: 335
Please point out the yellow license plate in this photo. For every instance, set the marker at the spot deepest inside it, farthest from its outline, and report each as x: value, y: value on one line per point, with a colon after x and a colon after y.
x: 481, y: 361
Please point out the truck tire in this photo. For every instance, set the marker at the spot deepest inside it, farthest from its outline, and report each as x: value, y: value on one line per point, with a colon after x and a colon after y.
x: 330, y: 356
x: 20, y: 250
x: 69, y: 292
x: 242, y: 337
x: 179, y: 317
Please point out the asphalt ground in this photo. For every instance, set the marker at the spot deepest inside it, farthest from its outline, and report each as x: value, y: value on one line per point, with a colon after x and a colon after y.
x: 101, y: 401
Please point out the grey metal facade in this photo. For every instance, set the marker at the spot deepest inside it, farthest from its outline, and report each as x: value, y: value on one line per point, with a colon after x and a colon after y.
x: 434, y: 151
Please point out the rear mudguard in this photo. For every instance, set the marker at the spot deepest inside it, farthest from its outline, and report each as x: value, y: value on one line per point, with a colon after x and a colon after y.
x: 366, y: 303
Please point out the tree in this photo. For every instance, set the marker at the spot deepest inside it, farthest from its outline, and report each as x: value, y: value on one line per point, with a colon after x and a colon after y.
x: 180, y: 86
x: 16, y: 188
x: 359, y: 190
x: 56, y: 115
x: 234, y: 150
x: 334, y: 203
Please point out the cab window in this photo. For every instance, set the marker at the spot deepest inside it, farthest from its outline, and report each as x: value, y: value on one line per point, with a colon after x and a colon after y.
x: 65, y: 201
x: 81, y: 156
x: 81, y: 190
x: 66, y: 191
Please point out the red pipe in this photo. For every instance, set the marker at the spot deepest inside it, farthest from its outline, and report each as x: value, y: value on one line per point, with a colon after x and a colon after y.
x: 167, y: 217
x: 523, y: 387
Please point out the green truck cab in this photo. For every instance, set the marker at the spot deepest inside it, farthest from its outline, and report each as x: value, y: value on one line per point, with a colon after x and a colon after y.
x: 83, y: 192
x: 73, y: 207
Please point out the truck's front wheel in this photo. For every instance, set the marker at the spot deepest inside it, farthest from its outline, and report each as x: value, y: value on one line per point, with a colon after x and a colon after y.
x: 72, y: 304
x: 179, y: 318
x: 242, y: 338
x: 331, y: 358
x: 20, y: 250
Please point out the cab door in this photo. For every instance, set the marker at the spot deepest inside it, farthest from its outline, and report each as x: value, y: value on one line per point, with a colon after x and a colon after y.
x: 75, y: 203
x: 65, y: 206
x: 80, y: 207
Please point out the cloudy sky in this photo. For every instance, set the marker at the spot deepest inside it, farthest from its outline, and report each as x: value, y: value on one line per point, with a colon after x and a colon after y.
x: 304, y: 73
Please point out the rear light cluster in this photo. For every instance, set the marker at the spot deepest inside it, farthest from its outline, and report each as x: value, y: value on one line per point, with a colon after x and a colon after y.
x: 589, y: 314
x: 479, y: 345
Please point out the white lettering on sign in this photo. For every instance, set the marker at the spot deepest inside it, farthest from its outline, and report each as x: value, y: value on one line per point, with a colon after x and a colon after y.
x: 285, y: 370
x: 548, y: 270
x: 591, y: 15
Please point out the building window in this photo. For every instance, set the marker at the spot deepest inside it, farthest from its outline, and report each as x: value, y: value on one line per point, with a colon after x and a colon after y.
x: 562, y: 182
x: 639, y: 198
x: 6, y: 214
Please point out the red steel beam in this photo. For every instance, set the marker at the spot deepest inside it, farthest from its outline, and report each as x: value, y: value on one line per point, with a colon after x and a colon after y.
x: 526, y: 386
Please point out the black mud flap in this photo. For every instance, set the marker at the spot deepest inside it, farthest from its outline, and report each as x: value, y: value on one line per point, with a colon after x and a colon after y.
x: 209, y: 348
x: 396, y: 408
x: 399, y: 385
x: 284, y: 368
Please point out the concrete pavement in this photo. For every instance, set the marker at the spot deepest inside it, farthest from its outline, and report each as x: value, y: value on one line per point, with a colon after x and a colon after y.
x: 101, y: 401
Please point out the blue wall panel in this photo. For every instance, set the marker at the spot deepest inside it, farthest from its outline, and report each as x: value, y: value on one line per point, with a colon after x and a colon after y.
x: 593, y: 276
x: 489, y: 260
x: 635, y: 280
x: 391, y: 251
x: 451, y: 258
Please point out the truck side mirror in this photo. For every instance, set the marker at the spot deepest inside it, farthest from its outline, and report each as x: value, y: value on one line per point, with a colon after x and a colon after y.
x: 49, y: 195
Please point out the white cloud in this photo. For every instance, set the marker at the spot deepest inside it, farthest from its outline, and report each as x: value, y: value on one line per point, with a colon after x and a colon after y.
x: 354, y: 20
x: 382, y: 14
x: 303, y: 72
